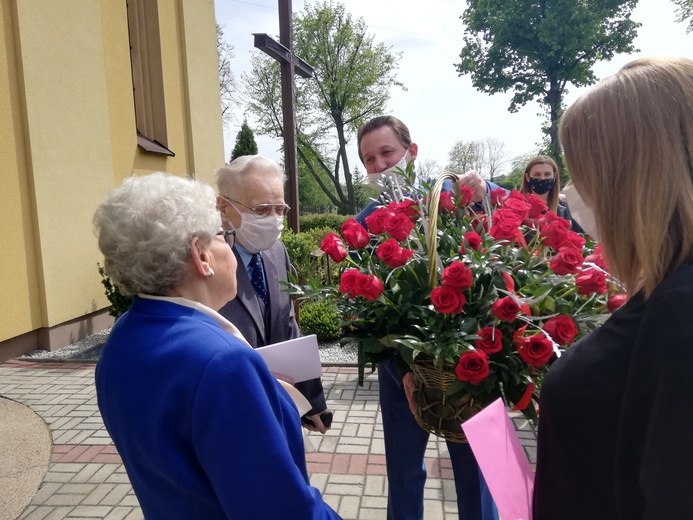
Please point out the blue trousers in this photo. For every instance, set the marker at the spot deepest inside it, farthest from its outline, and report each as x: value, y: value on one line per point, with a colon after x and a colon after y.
x: 405, y: 446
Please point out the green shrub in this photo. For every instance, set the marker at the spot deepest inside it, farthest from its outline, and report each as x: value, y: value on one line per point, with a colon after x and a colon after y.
x: 327, y: 220
x: 119, y: 302
x: 321, y: 319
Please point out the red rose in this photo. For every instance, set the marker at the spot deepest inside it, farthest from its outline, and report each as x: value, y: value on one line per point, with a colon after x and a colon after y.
x: 591, y: 281
x: 597, y: 258
x: 616, y: 301
x: 507, y: 215
x: 535, y: 350
x: 347, y: 282
x: 472, y: 367
x: 355, y: 234
x: 392, y: 254
x: 505, y: 309
x: 369, y: 286
x: 458, y: 275
x: 376, y: 220
x: 555, y: 233
x: 473, y: 239
x: 399, y: 226
x: 333, y: 246
x: 498, y: 196
x: 538, y: 206
x: 518, y: 206
x: 549, y: 217
x: 567, y: 261
x: 446, y: 201
x: 408, y: 208
x: 490, y: 340
x: 505, y: 230
x: 575, y: 240
x: 447, y: 300
x: 464, y: 197
x: 562, y: 329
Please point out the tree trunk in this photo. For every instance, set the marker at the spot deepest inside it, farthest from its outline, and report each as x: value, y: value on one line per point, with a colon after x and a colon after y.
x: 342, y: 155
x: 554, y: 99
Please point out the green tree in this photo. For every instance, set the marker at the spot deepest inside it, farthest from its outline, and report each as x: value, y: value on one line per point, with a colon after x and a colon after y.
x: 536, y: 48
x: 351, y: 82
x: 684, y: 11
x: 465, y: 156
x: 245, y: 142
x: 228, y: 90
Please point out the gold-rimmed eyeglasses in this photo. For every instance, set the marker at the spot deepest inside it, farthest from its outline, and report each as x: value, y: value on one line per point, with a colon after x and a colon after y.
x: 263, y: 210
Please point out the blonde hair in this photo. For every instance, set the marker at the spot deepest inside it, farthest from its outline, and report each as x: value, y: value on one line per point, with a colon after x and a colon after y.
x: 552, y: 199
x: 629, y: 148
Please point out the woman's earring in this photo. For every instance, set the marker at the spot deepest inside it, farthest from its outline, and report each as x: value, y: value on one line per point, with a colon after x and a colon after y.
x: 210, y: 273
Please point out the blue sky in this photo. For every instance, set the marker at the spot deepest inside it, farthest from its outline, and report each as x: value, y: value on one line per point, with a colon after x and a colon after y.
x: 439, y: 107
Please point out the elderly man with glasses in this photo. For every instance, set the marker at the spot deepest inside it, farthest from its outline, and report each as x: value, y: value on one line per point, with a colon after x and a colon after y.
x: 251, y: 202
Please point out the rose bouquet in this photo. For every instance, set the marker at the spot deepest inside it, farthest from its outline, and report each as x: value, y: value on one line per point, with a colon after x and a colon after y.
x: 489, y: 297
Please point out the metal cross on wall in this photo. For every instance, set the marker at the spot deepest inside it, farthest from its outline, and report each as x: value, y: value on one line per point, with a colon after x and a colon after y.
x: 290, y: 63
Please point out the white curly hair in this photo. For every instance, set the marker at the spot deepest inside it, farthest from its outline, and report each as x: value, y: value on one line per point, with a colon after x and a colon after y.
x: 145, y: 228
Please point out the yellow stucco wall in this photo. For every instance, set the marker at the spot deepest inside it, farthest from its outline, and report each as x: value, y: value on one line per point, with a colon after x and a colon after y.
x: 19, y: 288
x: 68, y: 126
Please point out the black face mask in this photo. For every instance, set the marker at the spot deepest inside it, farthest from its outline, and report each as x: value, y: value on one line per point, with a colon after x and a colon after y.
x: 541, y: 186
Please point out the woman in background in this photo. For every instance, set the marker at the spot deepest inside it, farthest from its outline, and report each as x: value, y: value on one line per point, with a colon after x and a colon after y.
x: 203, y: 428
x: 614, y: 429
x: 541, y: 178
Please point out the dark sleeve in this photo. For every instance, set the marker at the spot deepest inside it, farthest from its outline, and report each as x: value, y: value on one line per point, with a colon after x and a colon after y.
x: 563, y: 211
x: 654, y: 457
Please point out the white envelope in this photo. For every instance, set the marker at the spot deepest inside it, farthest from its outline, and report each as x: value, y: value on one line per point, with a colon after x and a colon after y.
x: 298, y: 358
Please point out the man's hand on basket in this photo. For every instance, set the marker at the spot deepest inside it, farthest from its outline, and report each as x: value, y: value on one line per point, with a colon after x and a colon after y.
x: 408, y: 383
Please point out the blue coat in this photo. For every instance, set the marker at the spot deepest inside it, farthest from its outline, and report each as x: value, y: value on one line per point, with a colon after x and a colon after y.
x: 204, y: 430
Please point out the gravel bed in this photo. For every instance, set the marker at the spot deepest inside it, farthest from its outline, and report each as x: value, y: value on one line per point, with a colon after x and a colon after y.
x: 88, y: 349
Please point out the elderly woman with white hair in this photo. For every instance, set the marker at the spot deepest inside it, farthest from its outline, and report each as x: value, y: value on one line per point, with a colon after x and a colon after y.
x: 203, y: 428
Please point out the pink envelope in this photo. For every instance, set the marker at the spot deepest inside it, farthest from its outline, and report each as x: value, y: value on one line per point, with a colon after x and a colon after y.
x: 502, y: 461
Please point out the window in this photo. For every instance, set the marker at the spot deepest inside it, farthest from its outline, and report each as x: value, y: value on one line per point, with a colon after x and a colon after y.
x: 147, y: 76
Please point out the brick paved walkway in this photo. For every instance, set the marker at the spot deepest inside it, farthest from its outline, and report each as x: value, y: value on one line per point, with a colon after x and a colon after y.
x: 86, y: 479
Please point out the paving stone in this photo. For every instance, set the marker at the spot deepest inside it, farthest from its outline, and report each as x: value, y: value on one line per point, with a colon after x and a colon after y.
x: 87, y: 480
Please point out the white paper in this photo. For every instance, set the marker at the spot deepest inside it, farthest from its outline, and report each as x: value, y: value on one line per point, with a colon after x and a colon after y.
x: 298, y: 358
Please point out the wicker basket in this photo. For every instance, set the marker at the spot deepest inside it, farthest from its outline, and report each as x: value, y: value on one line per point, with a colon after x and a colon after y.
x: 434, y: 410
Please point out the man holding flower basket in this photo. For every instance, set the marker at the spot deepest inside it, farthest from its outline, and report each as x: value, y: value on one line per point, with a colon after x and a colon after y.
x: 459, y: 305
x: 386, y: 148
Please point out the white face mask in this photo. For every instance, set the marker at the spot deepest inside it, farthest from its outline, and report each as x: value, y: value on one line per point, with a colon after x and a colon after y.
x: 580, y: 211
x: 257, y: 234
x: 375, y: 180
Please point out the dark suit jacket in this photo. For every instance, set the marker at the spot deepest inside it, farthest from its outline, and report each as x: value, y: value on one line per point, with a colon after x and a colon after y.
x: 245, y: 312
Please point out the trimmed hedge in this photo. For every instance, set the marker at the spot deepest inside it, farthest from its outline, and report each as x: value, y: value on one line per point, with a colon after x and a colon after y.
x: 321, y: 319
x: 327, y: 220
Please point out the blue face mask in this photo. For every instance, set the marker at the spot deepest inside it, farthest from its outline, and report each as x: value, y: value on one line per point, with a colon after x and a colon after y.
x: 541, y: 186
